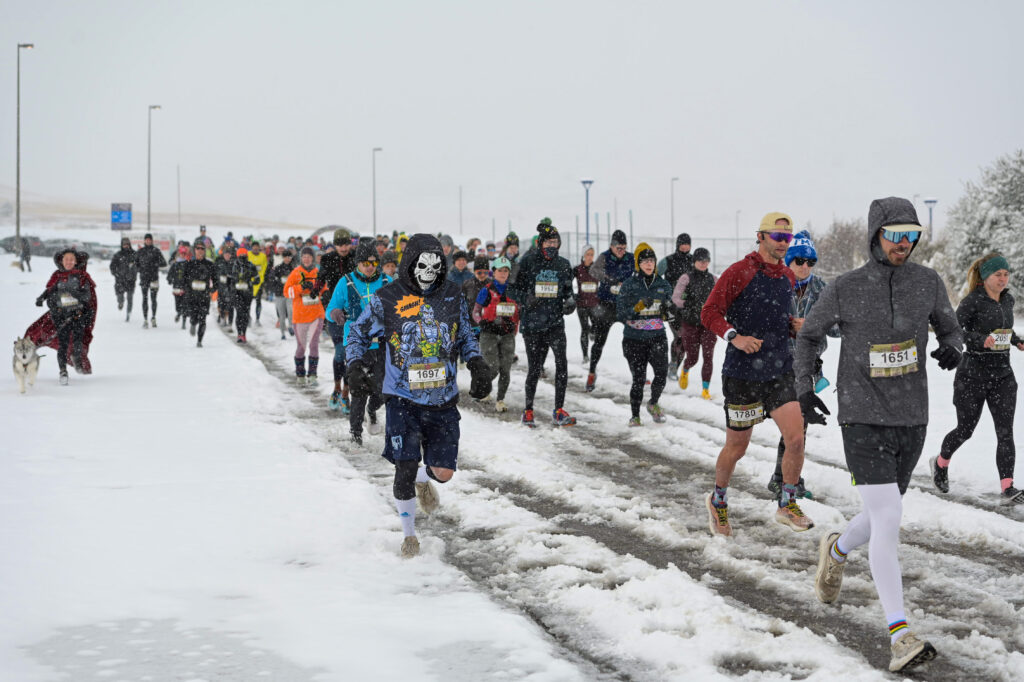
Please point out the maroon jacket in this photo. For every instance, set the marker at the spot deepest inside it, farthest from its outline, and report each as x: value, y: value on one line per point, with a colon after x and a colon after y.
x: 581, y: 273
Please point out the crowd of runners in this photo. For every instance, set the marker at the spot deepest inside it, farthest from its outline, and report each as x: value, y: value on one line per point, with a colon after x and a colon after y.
x: 406, y: 314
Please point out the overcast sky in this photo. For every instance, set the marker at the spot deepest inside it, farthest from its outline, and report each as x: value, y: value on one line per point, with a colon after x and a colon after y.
x: 272, y: 108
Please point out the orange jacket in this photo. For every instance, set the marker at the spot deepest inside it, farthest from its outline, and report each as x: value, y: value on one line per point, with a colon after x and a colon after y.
x: 302, y: 311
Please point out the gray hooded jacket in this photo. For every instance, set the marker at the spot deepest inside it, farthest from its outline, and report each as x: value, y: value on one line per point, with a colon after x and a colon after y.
x: 878, y: 304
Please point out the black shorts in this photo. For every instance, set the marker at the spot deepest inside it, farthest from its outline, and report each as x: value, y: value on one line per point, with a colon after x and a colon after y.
x: 750, y: 402
x: 877, y: 455
x: 413, y: 432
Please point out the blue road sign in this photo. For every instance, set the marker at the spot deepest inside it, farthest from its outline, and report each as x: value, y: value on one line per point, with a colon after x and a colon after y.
x: 120, y: 216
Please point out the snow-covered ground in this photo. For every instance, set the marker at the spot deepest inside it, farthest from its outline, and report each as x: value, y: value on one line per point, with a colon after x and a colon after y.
x: 191, y: 514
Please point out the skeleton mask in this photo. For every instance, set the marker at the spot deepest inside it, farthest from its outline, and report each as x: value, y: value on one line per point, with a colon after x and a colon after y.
x: 428, y: 267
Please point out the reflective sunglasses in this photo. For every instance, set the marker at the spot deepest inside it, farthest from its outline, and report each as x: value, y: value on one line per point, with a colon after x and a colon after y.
x: 780, y: 236
x: 369, y: 262
x: 806, y: 261
x: 895, y: 237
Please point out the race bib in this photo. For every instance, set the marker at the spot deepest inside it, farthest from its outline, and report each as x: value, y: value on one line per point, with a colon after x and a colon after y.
x: 154, y: 284
x: 655, y: 309
x: 308, y: 300
x: 1002, y: 337
x: 177, y: 292
x: 505, y: 309
x: 241, y: 286
x: 588, y: 287
x: 223, y: 279
x: 615, y: 289
x: 427, y: 375
x: 742, y: 416
x: 68, y: 301
x: 892, y: 359
x: 198, y: 285
x: 546, y: 289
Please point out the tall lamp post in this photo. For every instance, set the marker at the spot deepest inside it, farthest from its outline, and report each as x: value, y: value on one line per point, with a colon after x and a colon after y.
x: 586, y: 187
x: 672, y: 205
x: 17, y: 163
x: 374, y: 155
x: 149, y: 164
x: 930, y: 203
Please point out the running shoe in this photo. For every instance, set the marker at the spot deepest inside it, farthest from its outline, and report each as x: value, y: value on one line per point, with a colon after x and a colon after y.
x: 145, y: 325
x: 410, y: 547
x: 485, y: 399
x: 311, y: 379
x: 635, y: 421
x: 591, y: 380
x: 63, y: 377
x: 673, y: 367
x: 346, y: 405
x: 684, y: 379
x: 656, y: 413
x: 828, y: 580
x: 291, y: 331
x: 528, y: 419
x: 706, y: 394
x: 334, y: 402
x: 177, y: 316
x: 500, y: 406
x: 718, y: 518
x: 909, y: 651
x: 940, y: 475
x: 791, y: 515
x: 199, y: 344
x: 426, y: 493
x: 1012, y: 496
x: 241, y: 338
x: 562, y: 418
x: 153, y: 322
x: 374, y: 426
x: 357, y: 438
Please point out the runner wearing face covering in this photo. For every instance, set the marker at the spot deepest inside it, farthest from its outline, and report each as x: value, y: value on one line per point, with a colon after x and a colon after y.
x: 610, y: 269
x: 586, y: 297
x: 985, y: 375
x: 883, y: 309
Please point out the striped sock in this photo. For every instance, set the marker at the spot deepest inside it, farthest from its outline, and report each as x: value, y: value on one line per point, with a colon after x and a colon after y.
x: 837, y: 554
x: 897, y: 628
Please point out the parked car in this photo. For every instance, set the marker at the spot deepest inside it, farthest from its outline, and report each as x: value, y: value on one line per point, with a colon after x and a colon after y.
x: 36, y: 244
x: 97, y: 250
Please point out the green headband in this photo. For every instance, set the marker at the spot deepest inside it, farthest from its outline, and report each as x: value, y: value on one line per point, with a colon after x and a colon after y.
x: 992, y: 265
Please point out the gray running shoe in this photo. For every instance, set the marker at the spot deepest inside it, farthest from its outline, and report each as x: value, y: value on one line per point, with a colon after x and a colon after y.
x: 940, y: 475
x: 908, y: 651
x: 427, y: 495
x: 1012, y: 496
x: 828, y: 580
x: 410, y: 547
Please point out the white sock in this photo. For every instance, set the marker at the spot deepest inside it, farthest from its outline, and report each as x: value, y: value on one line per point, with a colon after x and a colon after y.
x: 407, y: 515
x: 884, y: 505
x: 421, y: 475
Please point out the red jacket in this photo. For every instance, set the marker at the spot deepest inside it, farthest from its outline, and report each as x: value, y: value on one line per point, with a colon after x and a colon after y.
x: 585, y: 299
x: 732, y: 283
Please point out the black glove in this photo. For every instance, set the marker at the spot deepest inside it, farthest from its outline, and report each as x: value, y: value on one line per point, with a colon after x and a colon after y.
x: 480, y: 385
x: 307, y: 285
x: 360, y: 377
x: 569, y: 306
x: 41, y: 300
x: 947, y: 356
x: 810, y: 405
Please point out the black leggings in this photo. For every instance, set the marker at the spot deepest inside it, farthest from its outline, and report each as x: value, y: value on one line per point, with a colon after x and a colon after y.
x: 603, y: 317
x: 586, y: 316
x: 536, y: 352
x: 374, y: 357
x: 259, y: 303
x: 640, y: 353
x: 69, y: 340
x: 242, y: 303
x: 147, y: 288
x: 969, y: 397
x: 198, y: 307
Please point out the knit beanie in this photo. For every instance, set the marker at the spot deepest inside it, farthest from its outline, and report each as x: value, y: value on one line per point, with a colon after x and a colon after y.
x: 701, y: 254
x: 481, y: 263
x: 309, y: 250
x: 802, y: 247
x: 683, y: 238
x: 618, y: 237
x: 545, y: 230
x: 992, y: 265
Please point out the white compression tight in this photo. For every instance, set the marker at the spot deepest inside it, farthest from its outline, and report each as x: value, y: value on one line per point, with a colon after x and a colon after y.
x: 879, y: 525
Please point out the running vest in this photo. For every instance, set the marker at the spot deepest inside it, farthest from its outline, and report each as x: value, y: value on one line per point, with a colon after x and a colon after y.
x: 697, y: 292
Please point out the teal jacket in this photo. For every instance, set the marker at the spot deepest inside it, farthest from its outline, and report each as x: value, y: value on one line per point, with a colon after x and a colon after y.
x: 642, y: 305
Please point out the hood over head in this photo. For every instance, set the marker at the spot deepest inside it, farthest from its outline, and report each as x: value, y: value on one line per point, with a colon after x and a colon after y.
x: 643, y: 251
x: 420, y: 243
x: 893, y: 213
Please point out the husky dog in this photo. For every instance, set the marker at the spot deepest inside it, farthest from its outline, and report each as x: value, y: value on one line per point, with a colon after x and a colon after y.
x: 26, y: 362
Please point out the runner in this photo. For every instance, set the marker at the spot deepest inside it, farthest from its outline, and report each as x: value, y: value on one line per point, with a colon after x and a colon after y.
x: 200, y: 277
x: 226, y: 286
x: 801, y: 257
x: 689, y: 296
x: 498, y: 318
x: 543, y: 290
x: 427, y: 328
x: 174, y: 278
x: 610, y: 269
x: 307, y: 315
x: 124, y: 270
x: 258, y: 259
x: 245, y: 278
x: 389, y: 263
x: 351, y: 296
x: 283, y: 304
x: 333, y: 266
x: 481, y: 278
x: 641, y: 306
x: 460, y: 274
x: 148, y: 261
x: 71, y: 297
x: 673, y: 267
x: 586, y: 297
x: 749, y: 307
x: 985, y: 374
x: 883, y: 310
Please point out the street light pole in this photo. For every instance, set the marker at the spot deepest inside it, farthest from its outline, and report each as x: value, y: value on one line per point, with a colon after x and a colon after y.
x: 374, y: 155
x: 586, y: 187
x: 149, y: 163
x: 930, y: 203
x: 672, y: 205
x: 17, y: 163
